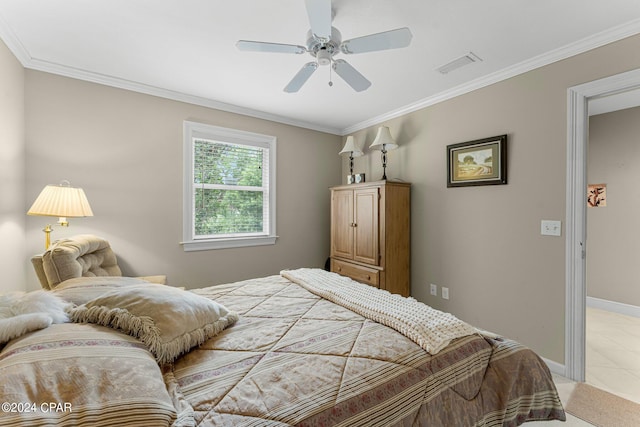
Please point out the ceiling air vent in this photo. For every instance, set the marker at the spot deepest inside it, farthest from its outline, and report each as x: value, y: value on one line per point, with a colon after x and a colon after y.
x: 467, y: 59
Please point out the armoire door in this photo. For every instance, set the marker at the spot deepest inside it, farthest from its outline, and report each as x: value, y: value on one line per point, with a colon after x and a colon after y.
x: 366, y: 216
x: 342, y: 224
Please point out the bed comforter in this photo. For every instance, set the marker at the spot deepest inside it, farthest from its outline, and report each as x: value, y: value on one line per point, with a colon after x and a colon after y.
x: 293, y: 359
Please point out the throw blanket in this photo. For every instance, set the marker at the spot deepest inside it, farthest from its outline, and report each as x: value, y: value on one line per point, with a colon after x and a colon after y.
x: 431, y: 329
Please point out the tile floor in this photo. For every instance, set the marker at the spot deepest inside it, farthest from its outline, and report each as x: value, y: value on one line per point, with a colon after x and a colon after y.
x: 613, y: 353
x: 612, y: 361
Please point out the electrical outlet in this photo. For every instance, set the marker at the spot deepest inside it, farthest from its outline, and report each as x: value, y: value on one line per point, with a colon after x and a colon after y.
x: 550, y: 228
x: 445, y: 293
x: 434, y: 289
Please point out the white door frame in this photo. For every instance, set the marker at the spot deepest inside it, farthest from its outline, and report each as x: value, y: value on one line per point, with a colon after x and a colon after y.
x: 576, y: 220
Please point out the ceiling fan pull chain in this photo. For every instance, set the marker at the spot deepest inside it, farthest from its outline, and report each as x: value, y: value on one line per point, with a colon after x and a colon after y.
x: 330, y: 76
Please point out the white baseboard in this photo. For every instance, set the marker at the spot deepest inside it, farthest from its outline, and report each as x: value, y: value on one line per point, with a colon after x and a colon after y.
x: 613, y: 306
x: 555, y: 367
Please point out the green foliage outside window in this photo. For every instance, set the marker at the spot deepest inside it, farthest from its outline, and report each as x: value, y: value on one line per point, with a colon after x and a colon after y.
x: 228, y: 185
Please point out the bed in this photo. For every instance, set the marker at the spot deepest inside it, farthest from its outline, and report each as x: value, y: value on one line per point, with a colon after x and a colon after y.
x: 302, y: 348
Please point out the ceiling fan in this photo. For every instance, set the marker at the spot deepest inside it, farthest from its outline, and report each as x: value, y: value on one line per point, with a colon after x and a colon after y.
x: 325, y: 41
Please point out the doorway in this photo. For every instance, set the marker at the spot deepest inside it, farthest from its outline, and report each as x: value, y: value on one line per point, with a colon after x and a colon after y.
x: 578, y: 98
x: 612, y: 357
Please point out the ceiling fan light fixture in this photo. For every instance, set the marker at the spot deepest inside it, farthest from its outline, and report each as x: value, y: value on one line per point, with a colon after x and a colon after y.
x: 324, y: 42
x: 324, y: 57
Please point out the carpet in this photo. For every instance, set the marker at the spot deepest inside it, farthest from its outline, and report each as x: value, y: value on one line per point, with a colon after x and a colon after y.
x: 601, y: 408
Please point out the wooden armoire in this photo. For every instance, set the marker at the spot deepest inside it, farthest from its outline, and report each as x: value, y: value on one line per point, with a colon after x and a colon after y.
x: 370, y: 234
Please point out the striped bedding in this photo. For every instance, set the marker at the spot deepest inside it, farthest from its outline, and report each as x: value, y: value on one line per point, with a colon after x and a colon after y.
x: 295, y: 358
x: 81, y: 375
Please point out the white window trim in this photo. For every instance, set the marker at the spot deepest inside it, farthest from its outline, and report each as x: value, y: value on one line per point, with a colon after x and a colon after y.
x: 200, y: 130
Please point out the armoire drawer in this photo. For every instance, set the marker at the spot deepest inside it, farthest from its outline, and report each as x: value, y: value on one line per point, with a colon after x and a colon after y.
x: 370, y: 276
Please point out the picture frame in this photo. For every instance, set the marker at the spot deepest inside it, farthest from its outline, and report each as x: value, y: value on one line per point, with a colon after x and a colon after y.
x: 597, y: 195
x: 357, y: 178
x: 478, y: 162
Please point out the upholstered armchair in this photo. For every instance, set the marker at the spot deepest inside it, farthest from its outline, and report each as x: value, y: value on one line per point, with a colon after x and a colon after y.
x: 84, y: 255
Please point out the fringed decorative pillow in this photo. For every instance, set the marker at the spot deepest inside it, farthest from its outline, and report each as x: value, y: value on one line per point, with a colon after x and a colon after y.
x: 81, y: 290
x: 170, y: 321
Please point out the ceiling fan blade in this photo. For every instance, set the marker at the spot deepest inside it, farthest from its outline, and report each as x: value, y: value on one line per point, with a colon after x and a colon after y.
x: 252, y: 46
x: 301, y: 77
x: 392, y: 39
x: 350, y: 75
x: 319, y: 12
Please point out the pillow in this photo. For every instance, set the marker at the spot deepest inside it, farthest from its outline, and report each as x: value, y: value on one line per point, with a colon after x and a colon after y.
x: 168, y: 320
x: 80, y: 290
x: 22, y: 312
x: 93, y: 374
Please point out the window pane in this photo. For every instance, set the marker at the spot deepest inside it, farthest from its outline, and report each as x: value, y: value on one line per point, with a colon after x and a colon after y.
x: 228, y: 212
x: 228, y: 164
x: 229, y: 188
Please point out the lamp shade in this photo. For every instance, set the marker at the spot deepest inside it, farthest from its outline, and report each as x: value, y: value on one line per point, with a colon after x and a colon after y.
x: 383, y: 140
x: 351, y: 148
x: 61, y: 201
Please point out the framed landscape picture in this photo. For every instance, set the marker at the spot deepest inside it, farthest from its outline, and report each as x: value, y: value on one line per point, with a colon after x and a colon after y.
x: 479, y: 162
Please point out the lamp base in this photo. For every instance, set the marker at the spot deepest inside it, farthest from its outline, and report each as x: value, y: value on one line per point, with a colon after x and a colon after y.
x: 355, y: 178
x: 47, y: 236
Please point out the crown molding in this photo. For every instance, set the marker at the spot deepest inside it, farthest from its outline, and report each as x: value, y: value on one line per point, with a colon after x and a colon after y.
x: 13, y: 43
x: 20, y: 52
x: 89, y: 76
x: 597, y: 40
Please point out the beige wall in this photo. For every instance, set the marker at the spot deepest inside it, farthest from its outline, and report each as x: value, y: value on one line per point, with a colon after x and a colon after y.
x: 613, y: 246
x: 484, y: 243
x: 125, y: 150
x: 12, y: 159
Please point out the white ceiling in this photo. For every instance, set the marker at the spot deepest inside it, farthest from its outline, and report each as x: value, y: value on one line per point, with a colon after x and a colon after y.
x: 185, y: 49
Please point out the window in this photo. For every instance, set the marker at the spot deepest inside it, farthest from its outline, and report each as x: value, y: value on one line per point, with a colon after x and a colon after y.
x: 229, y: 188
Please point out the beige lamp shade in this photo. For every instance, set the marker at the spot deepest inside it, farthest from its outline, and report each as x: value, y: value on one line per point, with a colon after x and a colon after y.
x: 351, y: 148
x: 383, y: 140
x: 61, y: 201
